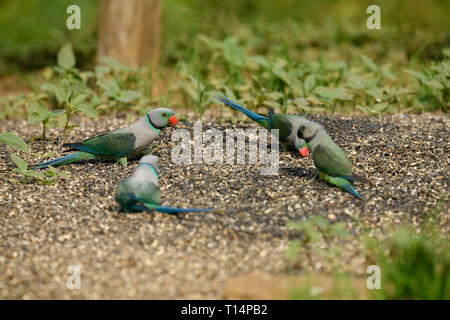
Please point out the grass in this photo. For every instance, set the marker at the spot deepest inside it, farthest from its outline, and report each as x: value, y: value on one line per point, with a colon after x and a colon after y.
x: 414, y: 262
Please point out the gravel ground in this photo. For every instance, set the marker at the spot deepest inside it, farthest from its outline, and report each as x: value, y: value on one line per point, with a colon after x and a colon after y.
x: 46, y: 228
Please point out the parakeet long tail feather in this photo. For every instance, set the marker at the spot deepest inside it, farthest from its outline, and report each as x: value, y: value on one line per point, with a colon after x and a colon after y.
x: 349, y: 188
x: 131, y: 203
x: 173, y: 210
x: 254, y: 116
x: 179, y: 210
x: 345, y: 185
x: 76, y: 156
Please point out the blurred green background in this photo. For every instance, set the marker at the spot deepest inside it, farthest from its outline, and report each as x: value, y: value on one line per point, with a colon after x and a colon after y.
x: 33, y: 30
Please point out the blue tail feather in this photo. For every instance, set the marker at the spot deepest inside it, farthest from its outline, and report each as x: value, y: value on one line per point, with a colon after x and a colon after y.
x: 349, y: 188
x: 54, y: 162
x: 131, y: 203
x: 165, y: 209
x: 270, y: 118
x: 254, y: 116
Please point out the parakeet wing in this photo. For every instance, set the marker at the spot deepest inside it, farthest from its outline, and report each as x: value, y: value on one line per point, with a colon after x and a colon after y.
x: 332, y: 160
x: 283, y: 124
x: 118, y: 144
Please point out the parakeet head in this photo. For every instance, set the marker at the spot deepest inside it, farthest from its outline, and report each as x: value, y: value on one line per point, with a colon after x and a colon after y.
x: 305, y: 133
x: 151, y: 160
x: 161, y: 117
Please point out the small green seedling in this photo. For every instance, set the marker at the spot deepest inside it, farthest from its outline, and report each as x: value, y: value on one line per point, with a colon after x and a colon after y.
x: 14, y: 141
x: 50, y: 175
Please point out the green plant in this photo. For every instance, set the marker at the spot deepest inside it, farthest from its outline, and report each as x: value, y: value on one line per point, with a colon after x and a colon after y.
x: 70, y: 92
x: 434, y: 91
x: 49, y: 176
x: 38, y: 113
x: 414, y: 265
x: 14, y: 141
x: 316, y: 235
x: 195, y: 90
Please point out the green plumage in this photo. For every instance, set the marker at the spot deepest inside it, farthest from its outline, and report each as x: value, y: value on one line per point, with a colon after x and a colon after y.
x: 332, y: 163
x: 282, y: 122
x: 286, y: 124
x: 331, y: 159
x: 113, y: 144
x: 135, y: 196
x: 119, y: 144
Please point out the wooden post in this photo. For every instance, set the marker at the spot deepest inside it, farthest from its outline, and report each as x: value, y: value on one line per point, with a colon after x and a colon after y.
x: 129, y: 31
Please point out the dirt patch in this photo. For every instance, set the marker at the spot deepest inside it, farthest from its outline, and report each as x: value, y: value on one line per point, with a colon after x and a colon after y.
x: 45, y: 229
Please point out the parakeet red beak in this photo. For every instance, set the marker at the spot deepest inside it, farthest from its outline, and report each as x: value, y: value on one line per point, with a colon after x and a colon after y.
x: 173, y: 120
x: 303, y: 151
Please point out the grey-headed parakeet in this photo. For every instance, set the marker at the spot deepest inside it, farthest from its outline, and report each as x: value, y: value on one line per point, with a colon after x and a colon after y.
x: 118, y: 144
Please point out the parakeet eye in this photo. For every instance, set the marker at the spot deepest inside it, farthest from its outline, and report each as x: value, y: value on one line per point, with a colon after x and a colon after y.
x: 164, y: 114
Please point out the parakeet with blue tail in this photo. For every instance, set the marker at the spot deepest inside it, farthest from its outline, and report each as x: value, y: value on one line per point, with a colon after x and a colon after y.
x: 331, y: 161
x: 141, y: 191
x: 286, y: 124
x: 118, y: 144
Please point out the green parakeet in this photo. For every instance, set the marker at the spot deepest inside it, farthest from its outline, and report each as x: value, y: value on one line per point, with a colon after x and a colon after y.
x: 330, y: 160
x: 141, y: 191
x: 285, y: 123
x: 118, y: 144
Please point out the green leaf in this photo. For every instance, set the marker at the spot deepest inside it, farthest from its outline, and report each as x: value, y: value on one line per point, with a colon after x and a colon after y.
x: 363, y: 108
x: 376, y: 93
x: 380, y: 107
x: 369, y: 63
x: 39, y: 113
x: 293, y: 250
x: 14, y: 141
x: 35, y: 174
x: 78, y: 99
x: 321, y: 222
x: 434, y: 84
x: 339, y: 230
x: 296, y: 226
x: 110, y: 62
x: 333, y: 94
x: 301, y: 102
x: 312, y: 234
x: 53, y: 172
x: 53, y: 90
x: 87, y: 110
x: 66, y: 89
x: 281, y: 74
x: 128, y: 96
x: 419, y: 75
x: 233, y: 53
x: 259, y: 61
x: 66, y: 58
x: 310, y: 83
x: 111, y: 88
x: 19, y: 162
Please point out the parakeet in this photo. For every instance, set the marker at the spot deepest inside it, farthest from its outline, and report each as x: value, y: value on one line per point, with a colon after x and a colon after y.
x: 285, y: 123
x: 141, y: 191
x: 330, y: 160
x: 118, y: 144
